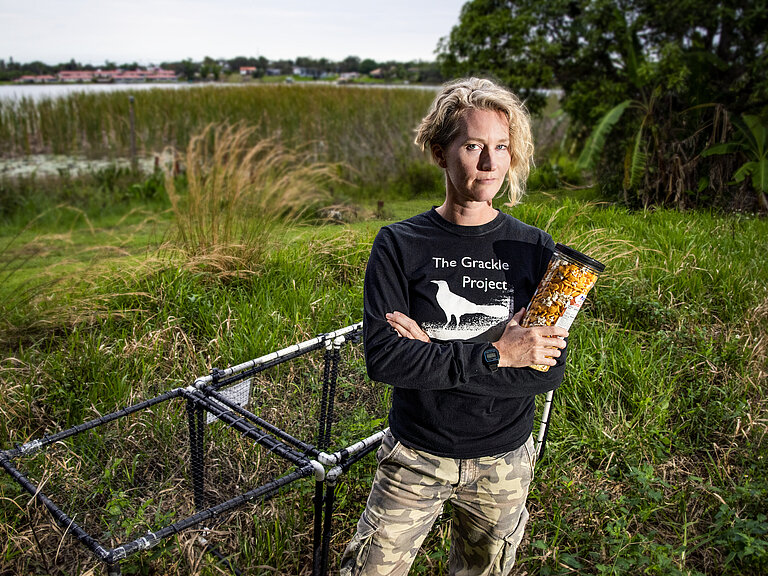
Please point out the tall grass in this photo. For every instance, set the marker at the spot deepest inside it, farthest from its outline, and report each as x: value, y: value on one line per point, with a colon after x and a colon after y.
x: 235, y: 193
x: 659, y: 443
x: 370, y: 129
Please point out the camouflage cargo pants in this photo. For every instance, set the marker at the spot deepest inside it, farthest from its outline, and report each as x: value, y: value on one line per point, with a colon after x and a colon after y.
x: 410, y: 487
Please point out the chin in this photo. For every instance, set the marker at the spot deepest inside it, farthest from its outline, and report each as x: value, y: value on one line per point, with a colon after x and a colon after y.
x: 486, y: 195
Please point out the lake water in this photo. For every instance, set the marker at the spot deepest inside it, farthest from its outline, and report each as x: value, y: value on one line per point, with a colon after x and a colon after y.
x: 40, y: 91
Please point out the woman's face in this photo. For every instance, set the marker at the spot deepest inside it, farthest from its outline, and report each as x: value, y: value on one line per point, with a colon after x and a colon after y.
x: 477, y: 160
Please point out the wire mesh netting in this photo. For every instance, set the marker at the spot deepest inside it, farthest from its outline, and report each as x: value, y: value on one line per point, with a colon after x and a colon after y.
x: 151, y: 471
x: 122, y: 478
x: 183, y: 464
x: 323, y: 398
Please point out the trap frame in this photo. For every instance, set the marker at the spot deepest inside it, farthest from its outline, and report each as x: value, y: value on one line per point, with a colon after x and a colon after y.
x: 232, y: 456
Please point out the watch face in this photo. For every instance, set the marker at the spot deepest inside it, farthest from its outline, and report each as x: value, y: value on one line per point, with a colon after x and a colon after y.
x: 491, y: 355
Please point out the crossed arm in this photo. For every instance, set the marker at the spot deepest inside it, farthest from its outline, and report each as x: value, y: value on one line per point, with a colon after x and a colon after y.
x: 517, y: 346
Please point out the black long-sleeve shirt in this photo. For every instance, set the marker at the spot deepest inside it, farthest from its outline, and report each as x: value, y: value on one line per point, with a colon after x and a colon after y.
x: 461, y: 284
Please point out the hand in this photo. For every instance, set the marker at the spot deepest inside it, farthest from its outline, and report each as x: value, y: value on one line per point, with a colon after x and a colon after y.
x: 519, y: 347
x: 406, y: 327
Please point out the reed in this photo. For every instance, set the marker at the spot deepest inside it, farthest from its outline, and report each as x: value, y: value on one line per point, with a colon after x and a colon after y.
x: 369, y: 129
x: 235, y: 194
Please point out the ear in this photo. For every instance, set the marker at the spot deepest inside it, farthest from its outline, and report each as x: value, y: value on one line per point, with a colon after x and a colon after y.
x: 439, y: 155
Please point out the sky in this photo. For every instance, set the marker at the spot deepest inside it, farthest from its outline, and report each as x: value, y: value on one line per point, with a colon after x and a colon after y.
x: 154, y: 31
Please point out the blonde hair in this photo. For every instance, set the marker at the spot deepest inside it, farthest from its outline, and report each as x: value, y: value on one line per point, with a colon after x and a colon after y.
x: 441, y: 124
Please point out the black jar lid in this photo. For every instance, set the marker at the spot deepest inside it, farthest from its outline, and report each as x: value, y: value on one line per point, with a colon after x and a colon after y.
x: 578, y: 256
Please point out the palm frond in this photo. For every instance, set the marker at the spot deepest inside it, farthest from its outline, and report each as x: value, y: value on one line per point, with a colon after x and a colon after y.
x: 759, y: 173
x: 596, y: 141
x: 722, y: 148
x: 638, y: 160
x: 754, y: 131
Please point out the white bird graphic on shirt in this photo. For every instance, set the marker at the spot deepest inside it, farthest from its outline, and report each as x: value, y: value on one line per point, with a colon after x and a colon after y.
x: 455, y: 306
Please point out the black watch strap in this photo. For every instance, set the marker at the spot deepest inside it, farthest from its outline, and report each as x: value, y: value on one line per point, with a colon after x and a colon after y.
x: 491, y: 357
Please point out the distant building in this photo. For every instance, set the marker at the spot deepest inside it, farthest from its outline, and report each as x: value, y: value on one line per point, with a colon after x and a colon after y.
x: 345, y: 77
x: 105, y: 76
x: 160, y: 75
x: 75, y: 76
x: 102, y: 76
x: 41, y: 79
x: 138, y: 76
x: 247, y: 70
x: 302, y: 72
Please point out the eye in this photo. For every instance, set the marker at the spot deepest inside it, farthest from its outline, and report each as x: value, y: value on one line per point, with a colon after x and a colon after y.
x: 502, y: 147
x: 472, y: 146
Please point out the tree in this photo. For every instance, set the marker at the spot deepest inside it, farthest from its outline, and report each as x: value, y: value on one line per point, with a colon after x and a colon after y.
x: 71, y: 65
x: 238, y: 62
x: 350, y: 64
x: 686, y: 68
x: 210, y: 68
x: 368, y: 65
x: 187, y: 69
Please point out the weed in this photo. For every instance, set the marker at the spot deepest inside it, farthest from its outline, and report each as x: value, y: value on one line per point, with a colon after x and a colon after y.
x: 234, y: 195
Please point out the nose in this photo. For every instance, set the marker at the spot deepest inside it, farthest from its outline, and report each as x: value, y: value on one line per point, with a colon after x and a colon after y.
x: 486, y: 162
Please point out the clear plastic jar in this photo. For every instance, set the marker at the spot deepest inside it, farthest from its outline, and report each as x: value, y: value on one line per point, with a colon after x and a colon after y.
x: 558, y: 298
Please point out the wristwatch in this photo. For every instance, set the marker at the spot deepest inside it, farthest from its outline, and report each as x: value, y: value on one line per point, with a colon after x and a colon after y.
x: 491, y: 357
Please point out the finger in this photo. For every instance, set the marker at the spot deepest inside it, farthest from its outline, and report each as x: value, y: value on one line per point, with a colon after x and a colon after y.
x: 518, y: 317
x: 410, y: 332
x: 550, y: 358
x: 406, y: 322
x: 423, y: 336
x: 404, y: 332
x: 555, y: 342
x: 551, y: 331
x: 397, y: 328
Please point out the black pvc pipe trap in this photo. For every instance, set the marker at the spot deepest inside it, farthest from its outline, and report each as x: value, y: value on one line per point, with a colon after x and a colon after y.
x: 126, y: 482
x: 123, y: 483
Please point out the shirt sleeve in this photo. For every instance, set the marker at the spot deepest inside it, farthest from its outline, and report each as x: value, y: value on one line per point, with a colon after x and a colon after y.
x: 414, y: 364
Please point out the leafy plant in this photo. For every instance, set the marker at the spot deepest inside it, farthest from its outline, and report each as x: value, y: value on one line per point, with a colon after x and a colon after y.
x: 752, y: 142
x: 600, y: 54
x: 594, y: 145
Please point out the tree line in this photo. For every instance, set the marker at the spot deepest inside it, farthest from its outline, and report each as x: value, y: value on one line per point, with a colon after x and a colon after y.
x: 216, y: 69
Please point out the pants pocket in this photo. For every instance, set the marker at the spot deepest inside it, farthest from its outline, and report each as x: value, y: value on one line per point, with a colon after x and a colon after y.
x: 511, y: 543
x: 530, y: 449
x: 356, y: 555
x: 388, y: 449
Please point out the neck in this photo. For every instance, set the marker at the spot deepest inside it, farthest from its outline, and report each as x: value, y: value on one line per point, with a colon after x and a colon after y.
x: 471, y: 214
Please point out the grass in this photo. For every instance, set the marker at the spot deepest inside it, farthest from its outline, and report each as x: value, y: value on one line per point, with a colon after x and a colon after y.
x: 369, y: 131
x: 233, y: 194
x: 656, y: 461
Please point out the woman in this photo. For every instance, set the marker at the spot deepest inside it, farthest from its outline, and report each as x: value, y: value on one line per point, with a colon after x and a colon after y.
x: 443, y: 297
